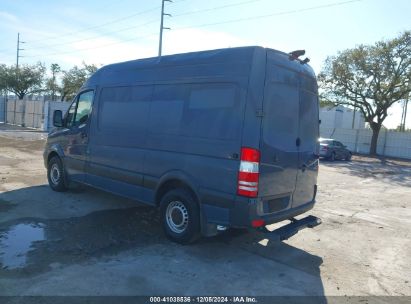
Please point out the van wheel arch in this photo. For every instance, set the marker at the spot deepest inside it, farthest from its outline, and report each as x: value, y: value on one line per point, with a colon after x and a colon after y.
x: 172, y: 184
x: 51, y: 155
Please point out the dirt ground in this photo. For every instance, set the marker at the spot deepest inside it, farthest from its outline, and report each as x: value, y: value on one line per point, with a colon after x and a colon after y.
x: 86, y: 242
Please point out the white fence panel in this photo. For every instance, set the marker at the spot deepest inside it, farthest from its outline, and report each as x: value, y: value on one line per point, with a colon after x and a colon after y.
x: 398, y: 144
x: 390, y: 143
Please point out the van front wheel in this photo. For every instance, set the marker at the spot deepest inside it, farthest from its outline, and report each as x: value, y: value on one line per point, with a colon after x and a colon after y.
x: 56, y: 174
x: 180, y: 216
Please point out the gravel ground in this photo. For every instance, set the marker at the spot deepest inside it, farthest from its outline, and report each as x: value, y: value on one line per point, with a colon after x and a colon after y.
x: 86, y: 242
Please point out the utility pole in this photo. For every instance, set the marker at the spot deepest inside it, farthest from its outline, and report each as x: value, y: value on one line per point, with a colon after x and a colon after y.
x: 160, y: 44
x: 18, y: 50
x: 353, y: 116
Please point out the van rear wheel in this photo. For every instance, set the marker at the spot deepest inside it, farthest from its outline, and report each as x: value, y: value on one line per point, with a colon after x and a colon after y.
x: 56, y: 174
x: 180, y: 216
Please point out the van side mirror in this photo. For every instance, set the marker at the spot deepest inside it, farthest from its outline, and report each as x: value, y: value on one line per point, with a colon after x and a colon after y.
x: 57, y: 118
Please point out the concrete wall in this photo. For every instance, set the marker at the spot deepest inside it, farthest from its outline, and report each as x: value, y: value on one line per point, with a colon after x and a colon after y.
x: 340, y: 117
x: 390, y: 143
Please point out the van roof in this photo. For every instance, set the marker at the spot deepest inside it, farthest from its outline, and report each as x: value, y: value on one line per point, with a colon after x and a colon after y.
x: 240, y: 56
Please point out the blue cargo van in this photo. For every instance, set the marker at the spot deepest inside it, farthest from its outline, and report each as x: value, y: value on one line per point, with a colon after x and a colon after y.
x: 216, y: 139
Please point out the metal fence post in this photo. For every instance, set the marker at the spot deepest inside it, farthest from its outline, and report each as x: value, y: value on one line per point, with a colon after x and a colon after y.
x: 385, y: 142
x: 46, y: 116
x: 357, y: 131
x: 14, y: 116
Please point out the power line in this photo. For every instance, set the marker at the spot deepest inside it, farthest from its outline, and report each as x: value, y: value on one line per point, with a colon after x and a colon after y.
x: 270, y: 15
x: 104, y: 24
x: 146, y: 23
x: 94, y: 37
x: 100, y: 25
x: 215, y: 8
x: 218, y: 23
x: 94, y: 47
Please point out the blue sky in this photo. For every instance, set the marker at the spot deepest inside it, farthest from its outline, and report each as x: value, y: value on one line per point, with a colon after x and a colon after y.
x: 103, y: 32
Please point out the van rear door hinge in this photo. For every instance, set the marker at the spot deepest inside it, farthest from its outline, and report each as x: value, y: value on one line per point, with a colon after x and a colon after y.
x: 259, y: 113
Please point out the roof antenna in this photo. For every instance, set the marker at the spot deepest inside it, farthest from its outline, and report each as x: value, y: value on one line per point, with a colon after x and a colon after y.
x: 295, y: 54
x: 306, y: 60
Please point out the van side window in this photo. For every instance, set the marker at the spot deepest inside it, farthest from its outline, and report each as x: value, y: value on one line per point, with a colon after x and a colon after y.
x: 206, y: 110
x: 85, y: 101
x: 167, y: 108
x: 213, y: 111
x: 211, y: 96
x: 124, y: 108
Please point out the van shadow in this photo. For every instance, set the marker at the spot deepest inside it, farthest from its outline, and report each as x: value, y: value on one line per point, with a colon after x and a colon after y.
x: 33, y: 245
x: 397, y: 172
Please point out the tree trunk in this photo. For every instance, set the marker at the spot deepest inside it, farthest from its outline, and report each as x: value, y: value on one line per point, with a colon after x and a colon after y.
x: 374, y: 139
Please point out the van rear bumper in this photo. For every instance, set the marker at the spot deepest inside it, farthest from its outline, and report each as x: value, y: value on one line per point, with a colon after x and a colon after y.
x: 243, y: 214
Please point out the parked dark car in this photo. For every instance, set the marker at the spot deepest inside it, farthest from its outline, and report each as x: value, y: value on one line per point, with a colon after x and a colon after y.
x: 215, y: 139
x: 333, y: 149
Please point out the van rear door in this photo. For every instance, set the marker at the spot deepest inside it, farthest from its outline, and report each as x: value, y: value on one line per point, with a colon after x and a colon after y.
x: 278, y: 146
x: 308, y: 140
x: 289, y: 138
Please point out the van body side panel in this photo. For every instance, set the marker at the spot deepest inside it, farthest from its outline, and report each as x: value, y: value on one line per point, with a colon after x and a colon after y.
x: 195, y: 127
x: 192, y: 124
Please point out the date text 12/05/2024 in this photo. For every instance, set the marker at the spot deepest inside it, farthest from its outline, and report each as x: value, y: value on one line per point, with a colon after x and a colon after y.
x: 240, y: 299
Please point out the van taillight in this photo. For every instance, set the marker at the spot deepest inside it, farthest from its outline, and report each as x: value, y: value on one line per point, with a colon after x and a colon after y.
x: 249, y: 172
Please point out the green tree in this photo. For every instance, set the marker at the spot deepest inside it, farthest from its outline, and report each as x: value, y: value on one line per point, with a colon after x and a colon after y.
x: 370, y: 78
x: 326, y: 103
x: 74, y: 78
x: 25, y: 80
x: 51, y: 84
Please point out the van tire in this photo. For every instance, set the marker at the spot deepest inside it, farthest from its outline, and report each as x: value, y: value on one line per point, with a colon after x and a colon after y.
x: 180, y: 216
x: 56, y: 175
